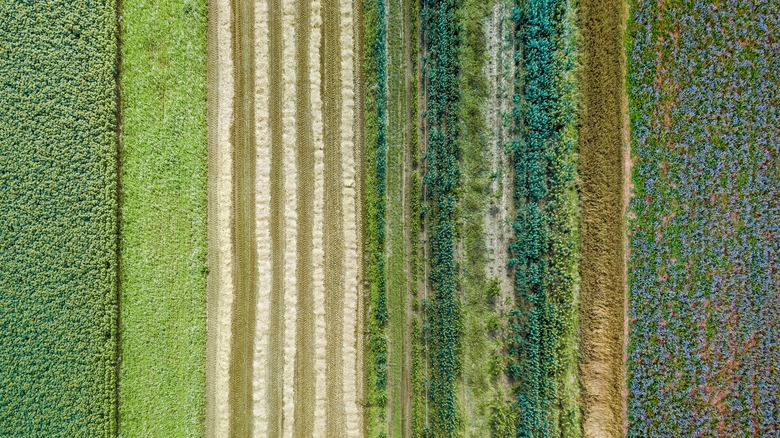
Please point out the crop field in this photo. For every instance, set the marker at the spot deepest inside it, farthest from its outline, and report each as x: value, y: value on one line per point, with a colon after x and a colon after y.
x: 58, y: 232
x: 703, y: 349
x: 386, y: 219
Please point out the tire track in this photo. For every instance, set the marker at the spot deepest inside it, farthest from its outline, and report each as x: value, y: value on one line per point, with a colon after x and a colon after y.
x: 277, y: 185
x: 334, y: 250
x: 303, y: 420
x: 243, y: 225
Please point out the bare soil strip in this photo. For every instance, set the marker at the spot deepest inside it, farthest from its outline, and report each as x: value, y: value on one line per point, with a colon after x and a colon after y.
x: 303, y: 421
x: 602, y: 364
x: 351, y: 261
x: 264, y: 228
x: 334, y: 248
x: 276, y: 332
x: 220, y: 279
x: 290, y: 26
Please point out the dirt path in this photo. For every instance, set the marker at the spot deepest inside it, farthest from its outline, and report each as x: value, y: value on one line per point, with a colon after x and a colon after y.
x: 359, y: 147
x: 602, y: 364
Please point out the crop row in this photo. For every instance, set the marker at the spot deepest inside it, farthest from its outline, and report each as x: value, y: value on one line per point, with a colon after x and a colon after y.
x: 58, y: 204
x: 375, y: 70
x: 543, y: 252
x: 704, y: 338
x: 439, y: 182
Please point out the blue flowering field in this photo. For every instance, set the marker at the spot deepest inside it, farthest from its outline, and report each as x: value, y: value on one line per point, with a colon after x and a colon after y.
x: 704, y: 267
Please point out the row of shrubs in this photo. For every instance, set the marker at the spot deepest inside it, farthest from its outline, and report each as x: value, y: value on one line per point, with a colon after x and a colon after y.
x: 375, y: 70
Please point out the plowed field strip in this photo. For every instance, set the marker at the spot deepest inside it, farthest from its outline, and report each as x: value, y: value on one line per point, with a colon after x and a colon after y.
x: 602, y: 270
x: 303, y: 425
x: 334, y: 250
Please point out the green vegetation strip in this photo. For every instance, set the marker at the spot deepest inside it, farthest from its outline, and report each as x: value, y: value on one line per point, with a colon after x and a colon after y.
x: 440, y: 182
x: 163, y: 202
x: 544, y: 250
x: 375, y: 68
x: 58, y: 246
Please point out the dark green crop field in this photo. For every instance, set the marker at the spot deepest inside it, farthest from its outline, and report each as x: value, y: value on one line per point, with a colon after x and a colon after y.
x: 58, y: 227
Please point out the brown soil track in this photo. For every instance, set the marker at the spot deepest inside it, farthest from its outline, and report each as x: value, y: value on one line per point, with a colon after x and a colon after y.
x: 602, y: 138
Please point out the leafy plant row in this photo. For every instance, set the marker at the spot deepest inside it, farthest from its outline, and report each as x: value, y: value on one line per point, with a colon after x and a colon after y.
x: 58, y: 232
x: 543, y: 252
x: 375, y: 64
x: 440, y: 181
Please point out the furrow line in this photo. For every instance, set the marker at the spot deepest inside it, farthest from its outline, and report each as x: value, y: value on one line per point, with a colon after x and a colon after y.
x: 334, y: 269
x: 277, y: 187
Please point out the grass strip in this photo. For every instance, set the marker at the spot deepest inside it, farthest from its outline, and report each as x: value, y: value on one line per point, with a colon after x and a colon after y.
x: 163, y: 205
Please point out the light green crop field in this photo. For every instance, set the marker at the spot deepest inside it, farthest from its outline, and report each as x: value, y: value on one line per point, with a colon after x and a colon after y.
x: 163, y: 217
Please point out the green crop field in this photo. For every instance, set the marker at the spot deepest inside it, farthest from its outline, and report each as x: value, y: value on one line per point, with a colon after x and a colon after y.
x: 58, y: 222
x: 163, y: 216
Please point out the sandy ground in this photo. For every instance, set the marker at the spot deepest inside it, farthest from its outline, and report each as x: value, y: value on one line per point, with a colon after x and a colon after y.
x: 289, y: 75
x: 262, y: 221
x: 351, y: 261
